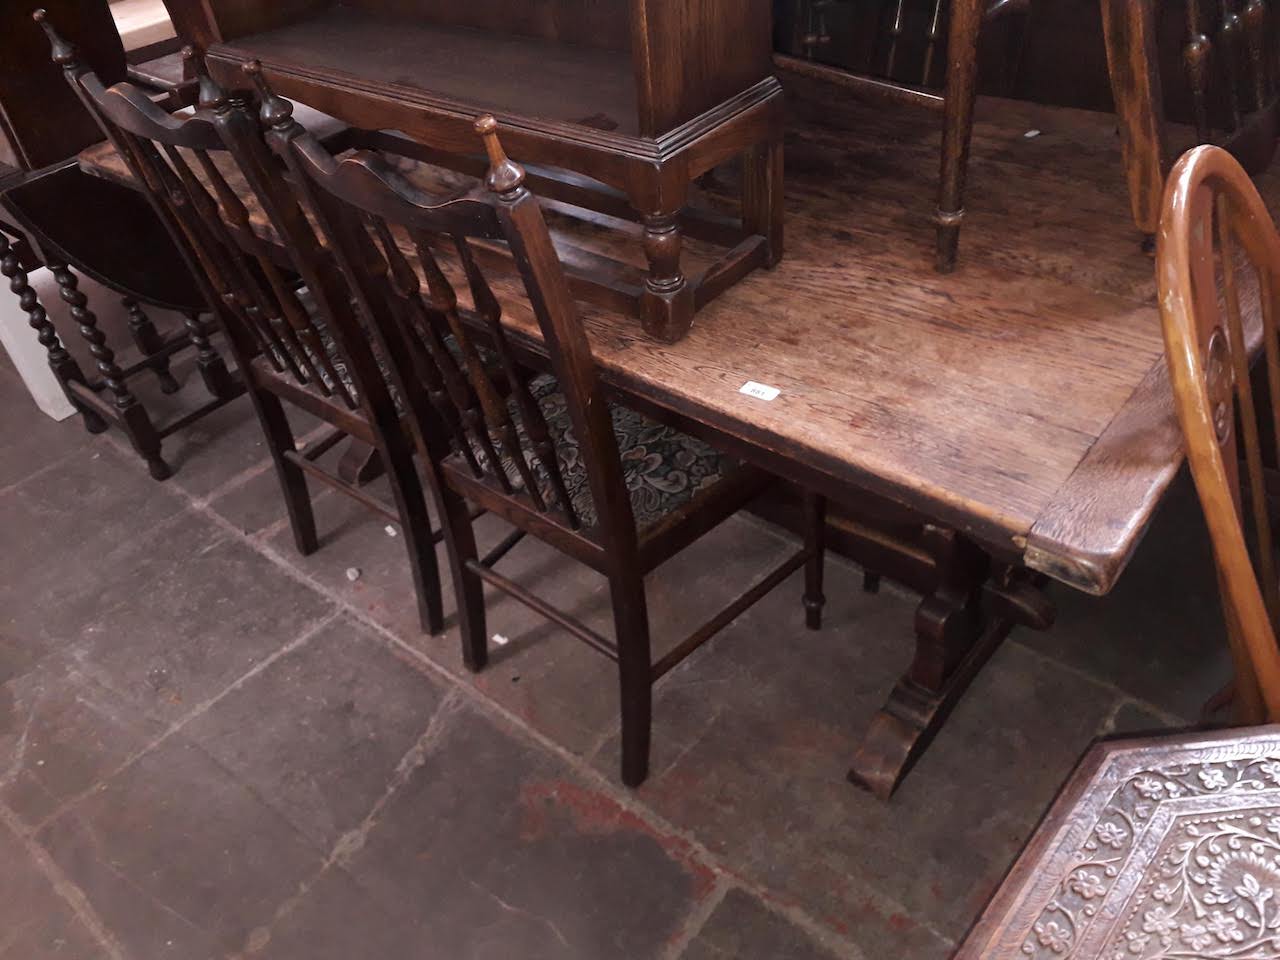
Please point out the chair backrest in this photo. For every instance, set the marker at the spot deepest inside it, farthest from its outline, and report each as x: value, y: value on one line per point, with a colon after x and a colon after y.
x: 1227, y: 57
x: 1218, y: 269
x: 173, y: 156
x: 398, y: 248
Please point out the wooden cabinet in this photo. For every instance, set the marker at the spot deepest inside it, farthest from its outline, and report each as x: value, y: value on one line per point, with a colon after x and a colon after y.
x: 639, y: 96
x: 41, y: 121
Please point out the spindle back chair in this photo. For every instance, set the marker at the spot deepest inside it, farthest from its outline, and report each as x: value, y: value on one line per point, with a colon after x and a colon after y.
x: 552, y: 456
x: 321, y: 361
x: 1228, y: 60
x: 1218, y: 268
x: 964, y: 20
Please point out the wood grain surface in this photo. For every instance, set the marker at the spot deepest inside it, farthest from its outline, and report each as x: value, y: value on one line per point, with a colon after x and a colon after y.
x: 1019, y: 399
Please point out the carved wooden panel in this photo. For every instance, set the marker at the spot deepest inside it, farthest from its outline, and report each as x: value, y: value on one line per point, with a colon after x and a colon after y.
x: 1157, y: 849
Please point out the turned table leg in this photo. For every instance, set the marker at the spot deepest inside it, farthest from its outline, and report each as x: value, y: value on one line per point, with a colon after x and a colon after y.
x: 150, y: 344
x: 1129, y: 30
x: 213, y: 369
x: 130, y: 413
x: 49, y: 392
x: 666, y: 306
x: 957, y: 126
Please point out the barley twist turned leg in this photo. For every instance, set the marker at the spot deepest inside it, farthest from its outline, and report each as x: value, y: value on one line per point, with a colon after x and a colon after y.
x: 213, y: 369
x: 62, y: 364
x: 131, y: 414
x: 149, y: 341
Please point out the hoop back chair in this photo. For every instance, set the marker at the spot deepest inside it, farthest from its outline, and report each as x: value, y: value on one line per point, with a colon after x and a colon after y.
x: 551, y: 456
x: 1218, y: 268
x: 284, y: 351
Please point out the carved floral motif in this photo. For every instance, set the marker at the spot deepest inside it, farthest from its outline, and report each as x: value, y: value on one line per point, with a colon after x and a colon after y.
x: 1210, y: 889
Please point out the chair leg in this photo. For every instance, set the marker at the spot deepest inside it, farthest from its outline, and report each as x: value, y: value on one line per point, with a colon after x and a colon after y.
x: 957, y: 126
x: 815, y: 523
x: 293, y: 479
x: 468, y: 588
x: 631, y: 628
x: 397, y: 459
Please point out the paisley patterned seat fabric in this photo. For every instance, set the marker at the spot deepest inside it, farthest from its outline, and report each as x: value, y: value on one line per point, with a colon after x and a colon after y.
x: 663, y: 468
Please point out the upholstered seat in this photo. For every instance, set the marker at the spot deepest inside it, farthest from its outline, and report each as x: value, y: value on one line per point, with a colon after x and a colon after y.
x: 663, y: 468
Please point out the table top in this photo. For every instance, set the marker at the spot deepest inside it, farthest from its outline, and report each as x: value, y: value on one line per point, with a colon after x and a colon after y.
x: 1156, y: 848
x: 1022, y: 399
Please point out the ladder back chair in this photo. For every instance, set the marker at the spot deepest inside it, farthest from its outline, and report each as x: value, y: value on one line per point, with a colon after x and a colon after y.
x: 317, y: 361
x: 901, y: 29
x: 1218, y: 268
x: 551, y: 455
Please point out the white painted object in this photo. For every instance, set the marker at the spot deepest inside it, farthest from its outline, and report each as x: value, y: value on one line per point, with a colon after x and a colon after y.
x: 353, y: 574
x: 500, y: 640
x: 29, y: 357
x: 759, y: 390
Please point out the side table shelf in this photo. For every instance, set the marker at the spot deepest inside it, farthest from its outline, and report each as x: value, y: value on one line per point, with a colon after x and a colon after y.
x: 662, y: 93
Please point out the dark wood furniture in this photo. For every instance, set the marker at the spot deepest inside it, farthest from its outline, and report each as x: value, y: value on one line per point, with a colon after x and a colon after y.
x: 53, y: 214
x: 639, y: 97
x: 321, y: 363
x: 1228, y: 56
x: 963, y: 20
x: 552, y: 456
x: 1155, y: 848
x: 1218, y: 262
x: 1231, y: 70
x: 976, y: 432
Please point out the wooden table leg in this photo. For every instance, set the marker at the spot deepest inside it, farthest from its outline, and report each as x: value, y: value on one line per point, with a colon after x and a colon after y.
x: 958, y: 627
x: 1129, y: 30
x: 360, y: 463
x: 666, y: 306
x: 762, y: 200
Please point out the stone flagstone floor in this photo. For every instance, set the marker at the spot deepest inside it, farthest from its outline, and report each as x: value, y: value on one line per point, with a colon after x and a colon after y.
x: 213, y: 747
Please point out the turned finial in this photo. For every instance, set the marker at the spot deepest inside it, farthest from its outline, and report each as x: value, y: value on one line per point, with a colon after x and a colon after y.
x: 277, y: 112
x: 212, y: 96
x: 505, y: 176
x: 64, y: 54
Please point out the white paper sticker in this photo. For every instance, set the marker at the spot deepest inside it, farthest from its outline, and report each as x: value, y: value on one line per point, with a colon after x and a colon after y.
x: 759, y: 390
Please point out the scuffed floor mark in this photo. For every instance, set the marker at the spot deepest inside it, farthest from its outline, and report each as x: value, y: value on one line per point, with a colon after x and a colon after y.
x: 520, y: 911
x: 353, y: 841
x: 597, y: 813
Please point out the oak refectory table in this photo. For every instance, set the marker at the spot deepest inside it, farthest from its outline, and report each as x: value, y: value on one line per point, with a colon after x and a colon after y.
x: 979, y: 433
